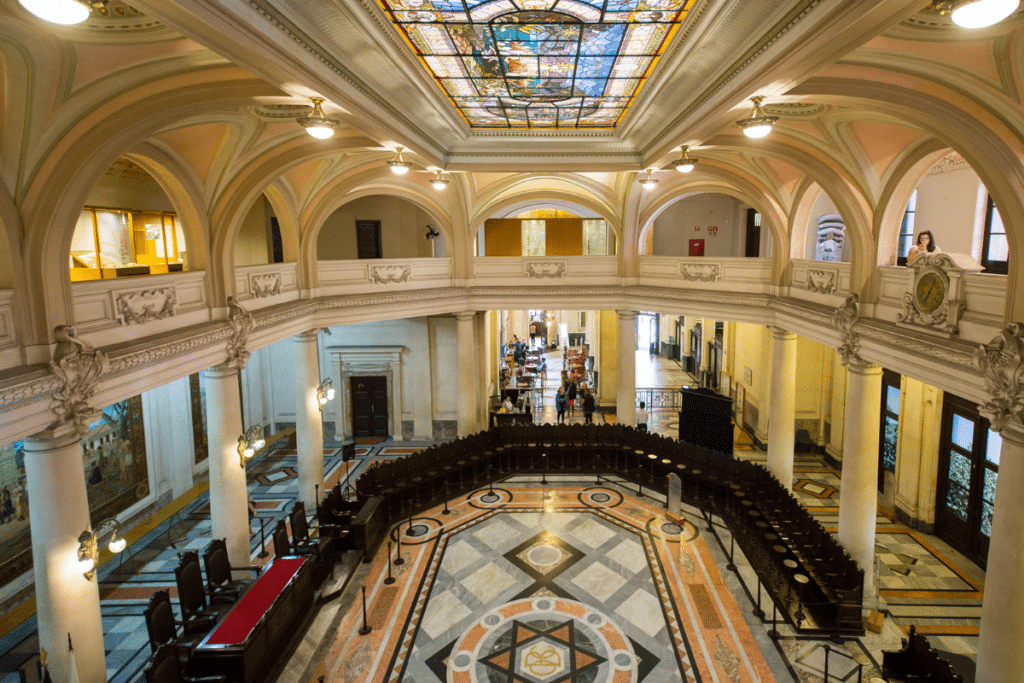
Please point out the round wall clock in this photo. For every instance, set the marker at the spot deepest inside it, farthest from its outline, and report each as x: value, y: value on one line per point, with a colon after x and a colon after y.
x: 931, y: 291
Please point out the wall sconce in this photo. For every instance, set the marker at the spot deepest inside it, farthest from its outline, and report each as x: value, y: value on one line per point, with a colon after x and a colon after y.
x: 325, y: 393
x: 399, y: 166
x: 759, y: 124
x: 88, y: 546
x: 976, y: 13
x: 685, y: 164
x: 437, y: 182
x: 648, y: 182
x: 316, y: 124
x: 249, y: 443
x: 63, y: 12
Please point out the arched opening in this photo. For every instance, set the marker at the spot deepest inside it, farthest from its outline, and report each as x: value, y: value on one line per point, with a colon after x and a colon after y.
x: 128, y: 226
x: 379, y: 226
x: 707, y: 224
x: 259, y: 237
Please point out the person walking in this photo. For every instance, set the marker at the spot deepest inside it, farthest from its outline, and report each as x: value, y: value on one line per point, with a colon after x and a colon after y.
x: 589, y: 405
x: 560, y: 400
x: 641, y: 418
x: 570, y: 393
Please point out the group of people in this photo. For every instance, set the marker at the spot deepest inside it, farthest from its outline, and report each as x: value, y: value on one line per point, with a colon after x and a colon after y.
x: 518, y: 348
x: 570, y: 397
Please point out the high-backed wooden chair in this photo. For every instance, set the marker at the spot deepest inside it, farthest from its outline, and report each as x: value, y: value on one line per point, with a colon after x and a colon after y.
x: 219, y: 582
x: 302, y: 543
x: 191, y: 593
x: 280, y: 540
x: 162, y: 627
x: 165, y: 668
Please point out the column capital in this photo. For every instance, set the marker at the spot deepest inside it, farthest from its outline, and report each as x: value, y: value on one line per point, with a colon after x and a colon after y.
x: 58, y: 435
x: 626, y: 314
x: 465, y: 316
x: 308, y: 335
x: 862, y: 367
x: 780, y: 333
x: 221, y: 371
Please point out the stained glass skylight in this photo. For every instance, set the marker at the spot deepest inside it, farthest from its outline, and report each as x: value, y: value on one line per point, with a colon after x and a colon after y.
x: 539, y: 63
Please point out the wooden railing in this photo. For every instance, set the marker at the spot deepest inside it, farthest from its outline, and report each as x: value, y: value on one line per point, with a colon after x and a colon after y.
x: 808, y: 575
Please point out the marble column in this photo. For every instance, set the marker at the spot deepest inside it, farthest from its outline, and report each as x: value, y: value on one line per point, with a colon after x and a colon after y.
x: 229, y: 510
x: 782, y: 407
x: 309, y: 422
x: 482, y: 357
x: 625, y: 403
x: 466, y: 335
x: 66, y: 601
x: 1002, y: 609
x: 858, y: 484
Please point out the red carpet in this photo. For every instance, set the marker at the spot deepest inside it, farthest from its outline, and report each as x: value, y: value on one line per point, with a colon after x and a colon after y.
x: 247, y: 613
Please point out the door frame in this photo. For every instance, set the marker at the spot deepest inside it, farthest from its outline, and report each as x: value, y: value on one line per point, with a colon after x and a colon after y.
x: 364, y: 361
x: 387, y: 404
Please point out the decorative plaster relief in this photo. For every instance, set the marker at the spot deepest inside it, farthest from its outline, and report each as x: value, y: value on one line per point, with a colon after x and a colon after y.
x: 946, y: 317
x: 383, y: 275
x: 262, y: 285
x: 141, y: 306
x: 241, y: 324
x: 845, y: 319
x: 78, y: 367
x: 542, y: 269
x: 1001, y: 362
x: 821, y: 281
x: 700, y: 272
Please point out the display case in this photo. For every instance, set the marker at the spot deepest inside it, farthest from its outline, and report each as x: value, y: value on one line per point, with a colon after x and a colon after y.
x: 112, y: 243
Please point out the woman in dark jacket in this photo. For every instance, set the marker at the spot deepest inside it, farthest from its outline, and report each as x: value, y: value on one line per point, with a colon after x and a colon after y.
x: 560, y: 400
x: 589, y: 404
x: 570, y: 392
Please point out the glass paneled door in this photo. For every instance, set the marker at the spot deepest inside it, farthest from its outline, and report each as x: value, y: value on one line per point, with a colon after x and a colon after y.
x: 888, y: 437
x: 968, y: 470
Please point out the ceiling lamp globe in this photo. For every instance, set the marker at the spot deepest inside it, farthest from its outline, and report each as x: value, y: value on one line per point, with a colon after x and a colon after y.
x: 648, y: 183
x: 982, y: 13
x: 757, y: 131
x: 399, y: 166
x: 63, y: 12
x: 439, y: 183
x: 320, y: 131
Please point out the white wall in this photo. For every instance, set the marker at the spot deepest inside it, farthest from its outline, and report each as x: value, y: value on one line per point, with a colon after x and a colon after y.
x: 947, y: 204
x: 403, y: 229
x: 674, y: 227
x: 167, y: 420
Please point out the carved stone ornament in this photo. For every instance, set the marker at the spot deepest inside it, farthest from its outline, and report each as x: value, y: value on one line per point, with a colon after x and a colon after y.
x: 1001, y: 362
x: 241, y: 325
x: 700, y: 272
x: 78, y: 367
x: 142, y: 306
x: 542, y: 269
x: 935, y: 297
x: 821, y: 281
x: 383, y: 275
x: 845, y: 319
x: 262, y: 285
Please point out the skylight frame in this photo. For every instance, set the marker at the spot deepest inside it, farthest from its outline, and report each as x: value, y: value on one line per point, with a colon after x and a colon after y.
x: 466, y: 48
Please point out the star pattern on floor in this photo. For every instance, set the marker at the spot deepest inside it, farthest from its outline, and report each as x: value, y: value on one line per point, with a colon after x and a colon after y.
x: 557, y: 654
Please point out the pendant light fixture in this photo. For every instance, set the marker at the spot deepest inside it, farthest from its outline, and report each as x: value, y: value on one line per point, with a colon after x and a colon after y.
x: 63, y: 12
x: 976, y: 13
x: 685, y: 164
x: 648, y: 182
x: 438, y: 182
x: 399, y: 166
x: 316, y: 124
x: 759, y: 124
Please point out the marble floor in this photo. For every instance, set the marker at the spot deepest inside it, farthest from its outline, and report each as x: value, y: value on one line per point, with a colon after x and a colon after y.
x: 576, y: 580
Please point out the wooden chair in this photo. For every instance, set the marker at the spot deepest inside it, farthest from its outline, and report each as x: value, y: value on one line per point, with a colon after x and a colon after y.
x: 191, y: 593
x: 162, y: 627
x: 302, y: 543
x: 164, y: 667
x: 280, y: 539
x: 219, y: 583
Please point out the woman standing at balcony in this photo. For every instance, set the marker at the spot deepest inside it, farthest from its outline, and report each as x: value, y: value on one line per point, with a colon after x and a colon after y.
x: 560, y: 400
x: 925, y: 242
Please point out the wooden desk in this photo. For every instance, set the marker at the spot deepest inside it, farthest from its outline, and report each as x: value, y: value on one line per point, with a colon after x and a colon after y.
x: 247, y: 643
x: 501, y: 419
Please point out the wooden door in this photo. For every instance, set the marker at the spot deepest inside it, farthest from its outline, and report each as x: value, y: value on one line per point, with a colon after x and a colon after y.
x: 968, y: 470
x: 368, y: 239
x: 369, y: 407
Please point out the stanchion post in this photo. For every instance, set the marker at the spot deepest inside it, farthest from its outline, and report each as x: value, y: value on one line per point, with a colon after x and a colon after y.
x: 732, y: 549
x: 263, y: 541
x: 827, y: 650
x: 390, y: 580
x: 398, y: 551
x: 774, y: 633
x: 759, y: 613
x: 366, y: 627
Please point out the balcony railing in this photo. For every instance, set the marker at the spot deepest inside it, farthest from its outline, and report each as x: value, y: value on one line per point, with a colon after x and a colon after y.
x: 382, y: 275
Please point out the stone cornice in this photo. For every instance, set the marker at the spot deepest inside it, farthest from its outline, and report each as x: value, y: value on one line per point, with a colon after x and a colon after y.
x: 881, y: 342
